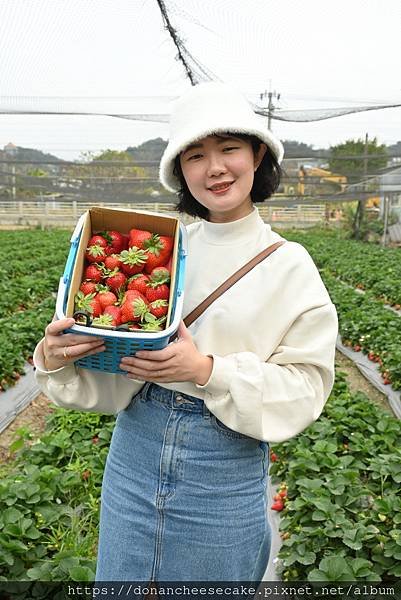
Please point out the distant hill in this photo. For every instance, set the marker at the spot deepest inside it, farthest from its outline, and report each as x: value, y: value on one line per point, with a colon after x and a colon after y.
x: 294, y: 149
x: 32, y: 154
x: 153, y: 150
x: 149, y: 150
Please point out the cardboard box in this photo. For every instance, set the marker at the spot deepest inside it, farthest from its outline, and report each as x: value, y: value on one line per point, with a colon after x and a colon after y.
x: 101, y: 219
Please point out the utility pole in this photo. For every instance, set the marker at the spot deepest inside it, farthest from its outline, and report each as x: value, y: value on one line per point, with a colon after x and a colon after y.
x: 270, y: 107
x: 386, y: 211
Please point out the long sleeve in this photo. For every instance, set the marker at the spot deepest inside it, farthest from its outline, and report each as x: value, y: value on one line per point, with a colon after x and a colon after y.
x: 83, y: 389
x: 276, y: 399
x: 272, y: 335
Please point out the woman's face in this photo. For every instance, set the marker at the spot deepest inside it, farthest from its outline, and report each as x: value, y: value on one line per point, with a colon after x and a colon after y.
x: 219, y: 172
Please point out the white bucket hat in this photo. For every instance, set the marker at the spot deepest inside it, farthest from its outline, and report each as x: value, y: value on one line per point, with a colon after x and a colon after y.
x: 209, y: 108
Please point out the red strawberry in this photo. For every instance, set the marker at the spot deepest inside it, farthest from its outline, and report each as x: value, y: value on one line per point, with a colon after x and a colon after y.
x: 273, y: 457
x: 88, y: 287
x: 133, y: 309
x: 138, y: 282
x: 159, y: 249
x: 133, y: 260
x: 97, y: 240
x: 158, y: 308
x: 158, y: 292
x: 86, y: 474
x: 115, y: 240
x: 132, y: 295
x: 278, y: 505
x: 94, y: 273
x: 95, y: 307
x: 137, y: 237
x: 88, y: 303
x: 125, y: 241
x: 112, y: 262
x: 116, y: 280
x: 106, y: 297
x: 95, y: 253
x: 115, y: 313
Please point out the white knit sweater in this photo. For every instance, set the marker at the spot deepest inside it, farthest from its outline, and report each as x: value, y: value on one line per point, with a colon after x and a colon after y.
x: 272, y: 337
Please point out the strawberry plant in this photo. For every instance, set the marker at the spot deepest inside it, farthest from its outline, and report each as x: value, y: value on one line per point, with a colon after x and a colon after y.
x: 49, y: 500
x: 364, y: 322
x: 362, y: 265
x: 27, y: 296
x: 342, y: 519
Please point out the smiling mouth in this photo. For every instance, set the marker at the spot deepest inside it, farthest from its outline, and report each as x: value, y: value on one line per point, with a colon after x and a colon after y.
x: 221, y: 187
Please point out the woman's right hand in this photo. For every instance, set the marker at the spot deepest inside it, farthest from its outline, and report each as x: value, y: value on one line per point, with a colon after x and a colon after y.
x: 61, y: 349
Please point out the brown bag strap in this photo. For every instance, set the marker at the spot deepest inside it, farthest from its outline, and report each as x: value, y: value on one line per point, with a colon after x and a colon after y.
x: 198, y: 310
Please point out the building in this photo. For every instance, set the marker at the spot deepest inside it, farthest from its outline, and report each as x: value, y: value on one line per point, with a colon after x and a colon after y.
x: 390, y: 188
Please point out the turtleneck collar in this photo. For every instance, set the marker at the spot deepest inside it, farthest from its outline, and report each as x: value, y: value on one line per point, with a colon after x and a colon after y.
x: 235, y: 232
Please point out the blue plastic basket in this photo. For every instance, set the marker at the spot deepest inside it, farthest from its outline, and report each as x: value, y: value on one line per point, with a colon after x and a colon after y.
x: 122, y: 343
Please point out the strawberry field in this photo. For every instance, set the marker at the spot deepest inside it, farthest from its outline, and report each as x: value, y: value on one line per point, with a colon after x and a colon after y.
x: 341, y: 517
x: 31, y: 264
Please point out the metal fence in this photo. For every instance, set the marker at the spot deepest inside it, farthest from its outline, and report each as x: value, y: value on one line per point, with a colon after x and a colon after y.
x: 65, y: 214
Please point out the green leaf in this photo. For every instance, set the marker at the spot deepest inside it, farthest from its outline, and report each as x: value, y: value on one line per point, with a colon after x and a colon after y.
x: 11, y: 515
x: 336, y: 568
x: 69, y: 563
x: 353, y: 538
x: 307, y: 559
x: 32, y: 533
x: 361, y: 567
x: 6, y: 558
x: 81, y: 574
x: 317, y: 575
x: 16, y: 445
x: 396, y: 570
x: 13, y: 545
x: 310, y: 484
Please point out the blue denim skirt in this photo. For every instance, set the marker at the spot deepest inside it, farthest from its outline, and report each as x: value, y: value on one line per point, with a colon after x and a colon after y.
x: 183, y: 497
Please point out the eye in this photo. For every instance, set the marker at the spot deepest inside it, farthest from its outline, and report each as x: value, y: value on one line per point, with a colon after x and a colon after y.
x: 195, y: 156
x: 228, y: 148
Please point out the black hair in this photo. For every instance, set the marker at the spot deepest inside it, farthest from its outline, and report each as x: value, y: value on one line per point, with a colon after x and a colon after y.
x: 266, y: 180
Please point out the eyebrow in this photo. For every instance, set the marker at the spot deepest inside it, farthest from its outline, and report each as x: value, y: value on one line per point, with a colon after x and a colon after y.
x: 220, y: 140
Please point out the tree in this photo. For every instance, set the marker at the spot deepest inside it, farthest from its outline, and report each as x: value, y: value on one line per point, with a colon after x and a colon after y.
x: 341, y: 159
x: 358, y: 169
x: 100, y: 167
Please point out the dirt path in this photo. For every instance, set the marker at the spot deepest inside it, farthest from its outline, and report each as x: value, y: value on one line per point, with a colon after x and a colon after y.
x: 358, y: 383
x: 33, y: 417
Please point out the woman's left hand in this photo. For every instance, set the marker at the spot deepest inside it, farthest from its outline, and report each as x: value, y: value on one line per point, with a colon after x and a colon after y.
x: 179, y: 361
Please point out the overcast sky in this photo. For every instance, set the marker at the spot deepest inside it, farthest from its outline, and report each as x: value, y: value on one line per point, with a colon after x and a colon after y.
x: 316, y: 53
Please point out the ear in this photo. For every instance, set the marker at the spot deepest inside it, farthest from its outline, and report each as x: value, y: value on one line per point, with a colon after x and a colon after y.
x: 259, y: 155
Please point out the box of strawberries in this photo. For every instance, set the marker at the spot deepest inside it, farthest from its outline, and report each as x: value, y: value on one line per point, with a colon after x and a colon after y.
x: 123, y: 281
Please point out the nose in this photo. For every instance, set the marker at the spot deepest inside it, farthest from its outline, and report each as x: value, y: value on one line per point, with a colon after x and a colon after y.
x: 216, y: 164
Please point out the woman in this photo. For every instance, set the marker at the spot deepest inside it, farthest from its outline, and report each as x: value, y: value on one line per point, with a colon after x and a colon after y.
x: 184, y: 490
